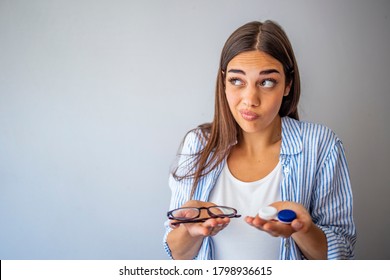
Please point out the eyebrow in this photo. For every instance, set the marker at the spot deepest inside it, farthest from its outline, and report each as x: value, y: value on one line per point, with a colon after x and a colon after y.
x: 263, y: 72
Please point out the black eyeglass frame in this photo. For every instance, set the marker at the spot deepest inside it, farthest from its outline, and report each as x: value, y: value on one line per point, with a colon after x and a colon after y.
x: 196, y: 220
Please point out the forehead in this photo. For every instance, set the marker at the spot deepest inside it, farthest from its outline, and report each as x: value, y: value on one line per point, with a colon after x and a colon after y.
x: 254, y: 60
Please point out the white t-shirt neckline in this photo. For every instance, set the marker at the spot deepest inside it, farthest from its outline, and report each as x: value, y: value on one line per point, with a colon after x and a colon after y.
x: 240, y: 240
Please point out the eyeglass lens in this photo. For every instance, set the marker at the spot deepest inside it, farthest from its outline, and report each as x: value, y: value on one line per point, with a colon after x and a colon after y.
x: 221, y: 211
x: 185, y: 213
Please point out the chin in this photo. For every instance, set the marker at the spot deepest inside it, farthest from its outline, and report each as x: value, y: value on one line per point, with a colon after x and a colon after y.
x: 249, y: 129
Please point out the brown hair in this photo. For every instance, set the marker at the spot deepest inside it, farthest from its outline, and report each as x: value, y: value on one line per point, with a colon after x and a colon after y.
x: 222, y: 133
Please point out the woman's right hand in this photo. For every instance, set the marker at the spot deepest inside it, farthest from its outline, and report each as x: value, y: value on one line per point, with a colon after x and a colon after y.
x: 185, y: 239
x: 210, y: 227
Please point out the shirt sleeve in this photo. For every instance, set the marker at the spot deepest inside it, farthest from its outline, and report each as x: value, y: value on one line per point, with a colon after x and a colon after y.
x: 180, y: 194
x: 333, y: 204
x: 181, y: 189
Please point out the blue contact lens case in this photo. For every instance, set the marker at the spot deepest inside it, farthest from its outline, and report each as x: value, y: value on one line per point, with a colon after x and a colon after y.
x: 286, y: 216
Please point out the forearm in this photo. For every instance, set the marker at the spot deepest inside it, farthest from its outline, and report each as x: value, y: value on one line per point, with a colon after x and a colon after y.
x: 312, y: 243
x: 183, y: 246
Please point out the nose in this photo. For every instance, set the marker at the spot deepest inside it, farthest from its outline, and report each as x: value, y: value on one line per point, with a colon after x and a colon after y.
x: 251, y: 97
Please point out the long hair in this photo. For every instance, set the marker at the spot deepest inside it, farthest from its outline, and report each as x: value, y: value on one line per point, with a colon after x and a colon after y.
x: 222, y: 133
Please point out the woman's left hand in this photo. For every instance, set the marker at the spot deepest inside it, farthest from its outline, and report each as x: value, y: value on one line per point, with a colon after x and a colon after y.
x: 302, y: 223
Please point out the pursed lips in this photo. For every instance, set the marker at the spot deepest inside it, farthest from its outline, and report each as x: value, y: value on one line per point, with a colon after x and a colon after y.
x: 248, y: 115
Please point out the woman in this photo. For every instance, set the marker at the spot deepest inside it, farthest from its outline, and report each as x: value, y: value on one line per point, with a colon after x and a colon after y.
x: 257, y: 153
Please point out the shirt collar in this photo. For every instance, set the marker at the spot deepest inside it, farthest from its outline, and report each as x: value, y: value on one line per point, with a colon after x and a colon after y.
x: 291, y: 137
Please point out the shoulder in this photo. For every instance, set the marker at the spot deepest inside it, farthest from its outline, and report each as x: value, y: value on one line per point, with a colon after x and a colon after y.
x: 195, y: 140
x: 308, y: 135
x: 307, y: 129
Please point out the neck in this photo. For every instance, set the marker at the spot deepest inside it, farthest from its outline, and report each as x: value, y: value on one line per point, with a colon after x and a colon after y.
x: 254, y: 143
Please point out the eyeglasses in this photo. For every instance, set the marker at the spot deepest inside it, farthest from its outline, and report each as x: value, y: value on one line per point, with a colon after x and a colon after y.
x: 192, y: 214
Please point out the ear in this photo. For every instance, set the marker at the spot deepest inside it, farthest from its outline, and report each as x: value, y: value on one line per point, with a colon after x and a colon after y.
x: 287, y: 89
x: 223, y: 78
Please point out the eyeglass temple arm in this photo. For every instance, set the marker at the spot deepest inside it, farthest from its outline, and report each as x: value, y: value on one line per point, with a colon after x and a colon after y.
x: 199, y: 220
x: 190, y: 221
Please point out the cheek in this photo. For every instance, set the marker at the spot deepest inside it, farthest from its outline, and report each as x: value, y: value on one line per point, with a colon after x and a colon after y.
x: 275, y: 103
x: 232, y: 99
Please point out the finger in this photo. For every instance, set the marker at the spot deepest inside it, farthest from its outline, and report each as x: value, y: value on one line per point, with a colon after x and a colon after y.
x: 173, y: 225
x: 259, y: 222
x: 197, y: 229
x: 279, y: 229
x: 215, y: 230
x: 249, y: 219
x: 297, y: 225
x: 213, y: 222
x: 225, y: 225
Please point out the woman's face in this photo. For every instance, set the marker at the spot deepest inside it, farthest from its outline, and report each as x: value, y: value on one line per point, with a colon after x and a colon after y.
x: 255, y: 85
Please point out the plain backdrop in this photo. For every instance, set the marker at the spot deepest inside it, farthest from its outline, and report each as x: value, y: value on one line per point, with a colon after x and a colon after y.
x: 96, y: 95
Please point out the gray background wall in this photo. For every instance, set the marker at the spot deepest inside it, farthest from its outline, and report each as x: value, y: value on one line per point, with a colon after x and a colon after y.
x: 95, y: 96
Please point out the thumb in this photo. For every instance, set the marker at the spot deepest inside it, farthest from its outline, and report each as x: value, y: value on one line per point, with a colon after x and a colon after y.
x: 297, y: 225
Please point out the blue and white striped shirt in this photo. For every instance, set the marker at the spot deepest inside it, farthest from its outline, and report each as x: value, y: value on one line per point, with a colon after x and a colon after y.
x: 315, y: 174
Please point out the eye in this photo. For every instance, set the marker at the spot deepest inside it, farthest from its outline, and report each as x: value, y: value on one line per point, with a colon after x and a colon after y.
x: 268, y: 83
x: 236, y: 81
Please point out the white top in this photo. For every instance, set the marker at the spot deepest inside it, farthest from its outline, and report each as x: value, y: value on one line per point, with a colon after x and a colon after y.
x: 240, y: 240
